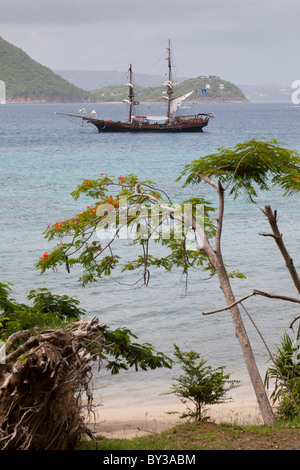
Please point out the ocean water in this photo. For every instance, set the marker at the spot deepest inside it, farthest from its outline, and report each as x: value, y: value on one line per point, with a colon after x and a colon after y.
x: 43, y: 157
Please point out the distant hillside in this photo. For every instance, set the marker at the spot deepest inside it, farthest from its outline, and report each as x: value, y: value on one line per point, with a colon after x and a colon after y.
x: 95, y: 79
x: 27, y: 80
x: 267, y: 93
x: 209, y: 88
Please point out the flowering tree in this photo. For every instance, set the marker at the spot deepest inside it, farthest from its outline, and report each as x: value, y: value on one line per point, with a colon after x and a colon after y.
x: 127, y: 207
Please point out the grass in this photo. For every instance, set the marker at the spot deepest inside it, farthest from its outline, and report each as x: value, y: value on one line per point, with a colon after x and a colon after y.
x: 208, y: 436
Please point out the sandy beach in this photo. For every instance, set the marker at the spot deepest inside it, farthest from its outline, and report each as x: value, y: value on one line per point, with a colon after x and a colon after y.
x: 137, y: 416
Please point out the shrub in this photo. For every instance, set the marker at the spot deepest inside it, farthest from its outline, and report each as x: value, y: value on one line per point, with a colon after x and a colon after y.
x: 286, y: 375
x: 201, y: 384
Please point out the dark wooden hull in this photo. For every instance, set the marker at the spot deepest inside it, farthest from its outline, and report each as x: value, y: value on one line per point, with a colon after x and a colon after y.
x: 179, y: 124
x: 104, y: 126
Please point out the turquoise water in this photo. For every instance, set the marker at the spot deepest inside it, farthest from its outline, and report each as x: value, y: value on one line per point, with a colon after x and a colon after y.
x: 43, y: 157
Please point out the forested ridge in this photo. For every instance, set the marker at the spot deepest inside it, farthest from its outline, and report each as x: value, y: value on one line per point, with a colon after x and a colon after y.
x: 28, y: 81
x: 211, y: 88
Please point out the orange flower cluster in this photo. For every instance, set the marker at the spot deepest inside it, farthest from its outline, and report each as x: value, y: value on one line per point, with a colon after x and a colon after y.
x: 93, y: 211
x: 58, y: 225
x: 113, y: 202
x: 94, y: 247
x: 45, y: 256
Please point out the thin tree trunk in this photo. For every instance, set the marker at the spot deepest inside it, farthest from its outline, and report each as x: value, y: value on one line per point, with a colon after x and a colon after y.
x: 241, y: 334
x: 272, y: 218
x: 216, y: 259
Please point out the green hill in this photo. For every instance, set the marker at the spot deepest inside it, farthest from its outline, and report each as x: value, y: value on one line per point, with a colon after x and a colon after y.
x: 27, y: 80
x: 209, y: 88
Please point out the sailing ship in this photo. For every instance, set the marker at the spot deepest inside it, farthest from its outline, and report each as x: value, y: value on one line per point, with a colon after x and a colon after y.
x: 142, y: 123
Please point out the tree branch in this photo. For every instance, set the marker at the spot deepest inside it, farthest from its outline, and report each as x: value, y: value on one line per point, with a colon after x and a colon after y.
x: 219, y: 218
x: 272, y: 218
x: 254, y: 292
x: 209, y: 312
x: 295, y: 319
x: 208, y: 180
x: 268, y: 235
x: 236, y: 169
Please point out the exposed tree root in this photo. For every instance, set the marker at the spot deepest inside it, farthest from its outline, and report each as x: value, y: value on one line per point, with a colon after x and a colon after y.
x: 42, y: 383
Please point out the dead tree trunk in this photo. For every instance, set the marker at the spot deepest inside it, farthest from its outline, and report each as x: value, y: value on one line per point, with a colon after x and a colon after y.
x: 41, y: 385
x: 272, y: 218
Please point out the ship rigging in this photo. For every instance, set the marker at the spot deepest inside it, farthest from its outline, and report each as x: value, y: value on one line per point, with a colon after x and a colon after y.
x: 142, y: 123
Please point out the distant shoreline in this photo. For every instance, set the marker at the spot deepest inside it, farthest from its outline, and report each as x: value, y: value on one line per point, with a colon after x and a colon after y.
x: 203, y: 100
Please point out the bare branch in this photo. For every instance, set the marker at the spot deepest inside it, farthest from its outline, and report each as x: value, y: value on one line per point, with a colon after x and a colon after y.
x: 268, y: 235
x: 295, y: 319
x: 209, y: 312
x: 254, y: 292
x: 277, y: 296
x: 208, y: 180
x: 272, y: 218
x: 219, y: 218
x: 234, y: 173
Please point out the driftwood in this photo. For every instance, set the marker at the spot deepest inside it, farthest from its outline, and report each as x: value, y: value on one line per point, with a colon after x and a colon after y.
x: 42, y: 383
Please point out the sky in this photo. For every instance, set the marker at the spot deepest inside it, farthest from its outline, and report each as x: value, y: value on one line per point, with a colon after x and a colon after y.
x: 243, y: 41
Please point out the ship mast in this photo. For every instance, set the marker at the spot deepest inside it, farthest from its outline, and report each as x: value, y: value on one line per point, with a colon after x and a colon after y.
x: 169, y: 83
x: 131, y: 93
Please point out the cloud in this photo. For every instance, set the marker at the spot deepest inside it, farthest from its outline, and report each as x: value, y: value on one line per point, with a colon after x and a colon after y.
x: 235, y: 39
x: 97, y: 11
x: 214, y: 13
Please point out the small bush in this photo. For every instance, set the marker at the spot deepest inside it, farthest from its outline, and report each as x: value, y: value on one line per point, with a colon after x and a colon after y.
x: 202, y: 385
x: 286, y: 374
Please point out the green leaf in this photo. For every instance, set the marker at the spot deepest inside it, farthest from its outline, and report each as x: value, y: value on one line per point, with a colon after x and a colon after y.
x: 247, y: 167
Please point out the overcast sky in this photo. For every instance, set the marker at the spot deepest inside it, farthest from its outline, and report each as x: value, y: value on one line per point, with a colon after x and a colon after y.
x: 243, y: 41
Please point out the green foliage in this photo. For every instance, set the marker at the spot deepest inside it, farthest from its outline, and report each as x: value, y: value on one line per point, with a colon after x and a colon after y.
x: 197, y: 436
x: 201, y: 384
x: 286, y: 375
x: 252, y: 165
x: 78, y: 242
x: 214, y: 91
x: 64, y: 307
x: 247, y: 167
x: 27, y: 79
x: 230, y: 92
x: 244, y: 169
x: 47, y: 311
x: 55, y: 311
x: 6, y: 304
x: 130, y: 354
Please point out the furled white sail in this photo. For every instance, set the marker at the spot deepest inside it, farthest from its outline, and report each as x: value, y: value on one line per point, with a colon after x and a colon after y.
x: 177, y: 101
x: 157, y: 118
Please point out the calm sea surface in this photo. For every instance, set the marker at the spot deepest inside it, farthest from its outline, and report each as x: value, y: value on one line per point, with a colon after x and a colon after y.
x: 43, y: 157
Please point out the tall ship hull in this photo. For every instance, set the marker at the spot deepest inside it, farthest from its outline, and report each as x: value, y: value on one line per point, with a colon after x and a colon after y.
x: 193, y: 123
x: 157, y: 124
